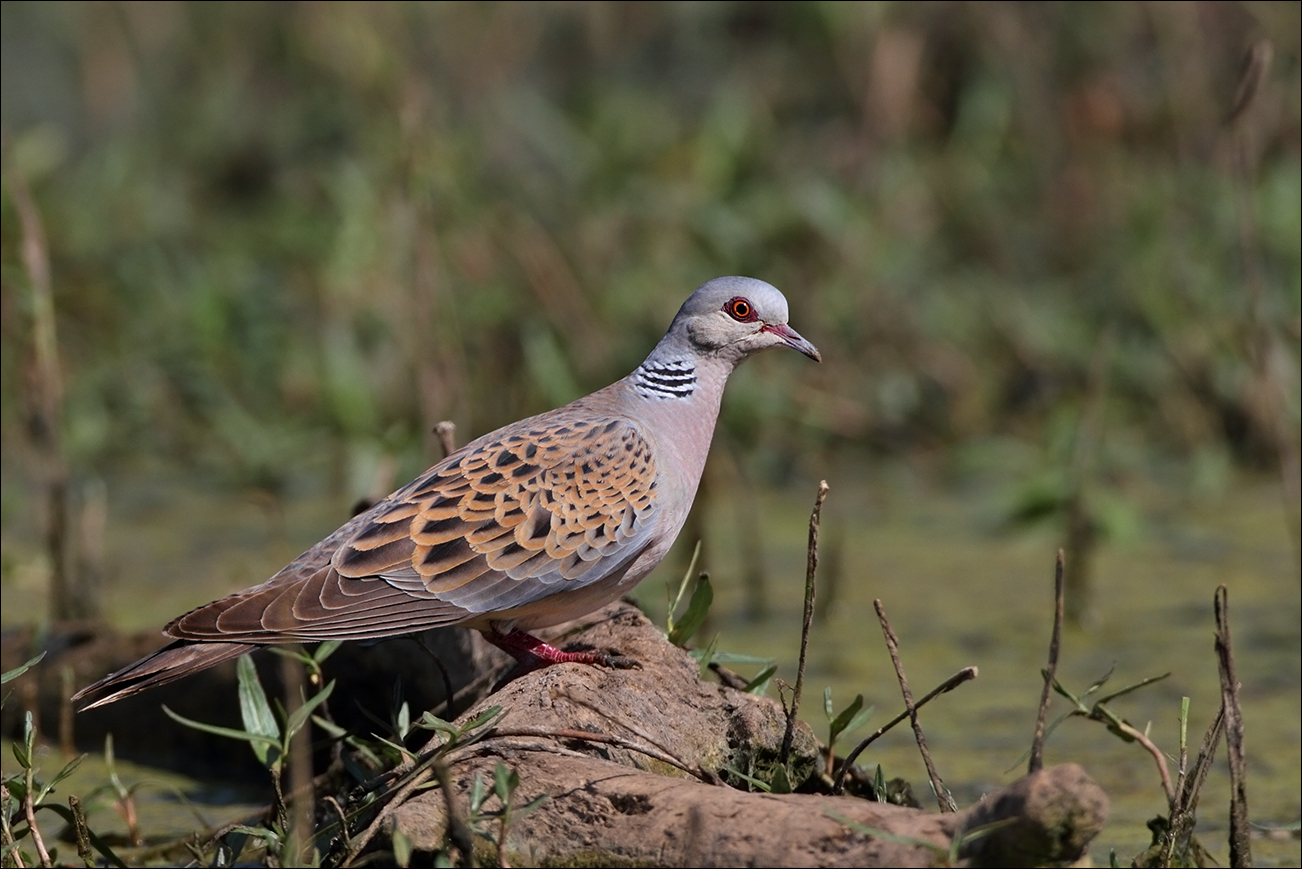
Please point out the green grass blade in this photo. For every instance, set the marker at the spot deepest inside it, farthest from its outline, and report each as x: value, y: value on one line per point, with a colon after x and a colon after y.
x: 697, y: 609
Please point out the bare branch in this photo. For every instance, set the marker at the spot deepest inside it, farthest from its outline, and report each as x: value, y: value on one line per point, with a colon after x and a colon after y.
x: 811, y: 567
x: 893, y: 646
x: 1046, y: 694
x: 1240, y: 845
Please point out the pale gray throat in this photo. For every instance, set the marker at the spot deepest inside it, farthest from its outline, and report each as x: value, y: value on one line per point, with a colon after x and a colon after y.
x: 673, y: 378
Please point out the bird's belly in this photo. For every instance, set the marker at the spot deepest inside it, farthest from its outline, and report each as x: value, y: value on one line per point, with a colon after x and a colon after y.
x: 566, y: 604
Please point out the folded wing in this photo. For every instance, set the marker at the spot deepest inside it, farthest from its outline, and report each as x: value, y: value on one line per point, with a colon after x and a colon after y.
x: 543, y: 507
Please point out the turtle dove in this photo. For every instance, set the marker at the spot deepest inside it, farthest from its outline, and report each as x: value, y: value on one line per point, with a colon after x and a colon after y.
x: 534, y: 524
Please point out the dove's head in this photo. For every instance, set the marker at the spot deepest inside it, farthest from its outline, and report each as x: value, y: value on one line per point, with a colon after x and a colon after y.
x: 733, y: 317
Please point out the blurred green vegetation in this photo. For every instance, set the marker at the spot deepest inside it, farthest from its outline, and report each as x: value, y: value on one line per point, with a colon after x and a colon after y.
x: 1040, y: 245
x: 292, y: 236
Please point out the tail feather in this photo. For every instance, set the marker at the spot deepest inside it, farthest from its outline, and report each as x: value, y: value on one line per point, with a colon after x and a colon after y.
x: 174, y: 661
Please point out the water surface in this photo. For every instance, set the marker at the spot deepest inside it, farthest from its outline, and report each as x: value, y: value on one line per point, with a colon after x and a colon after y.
x: 960, y: 590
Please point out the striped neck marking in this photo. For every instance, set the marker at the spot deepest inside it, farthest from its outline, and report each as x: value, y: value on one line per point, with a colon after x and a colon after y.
x: 673, y: 379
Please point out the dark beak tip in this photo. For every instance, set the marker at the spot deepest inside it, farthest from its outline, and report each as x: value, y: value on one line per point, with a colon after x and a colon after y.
x: 793, y: 339
x: 796, y: 341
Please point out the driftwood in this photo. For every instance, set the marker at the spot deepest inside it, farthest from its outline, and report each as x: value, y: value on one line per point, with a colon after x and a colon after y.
x: 660, y: 804
x: 631, y: 762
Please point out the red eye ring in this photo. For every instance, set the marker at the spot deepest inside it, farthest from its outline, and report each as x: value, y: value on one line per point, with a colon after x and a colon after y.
x: 740, y: 309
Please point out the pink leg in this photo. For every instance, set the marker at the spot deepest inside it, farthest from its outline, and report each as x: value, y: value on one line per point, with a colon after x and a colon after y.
x: 534, y: 654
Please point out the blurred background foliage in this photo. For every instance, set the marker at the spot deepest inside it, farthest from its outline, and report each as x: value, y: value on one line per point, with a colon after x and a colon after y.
x: 1051, y: 252
x: 288, y: 238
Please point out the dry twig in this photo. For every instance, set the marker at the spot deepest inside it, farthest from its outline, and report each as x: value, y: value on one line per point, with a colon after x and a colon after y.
x: 946, y: 802
x: 964, y: 675
x: 29, y: 812
x: 1240, y: 846
x: 1158, y: 756
x: 333, y: 803
x: 7, y: 839
x: 1055, y: 645
x: 811, y: 567
x: 81, y: 831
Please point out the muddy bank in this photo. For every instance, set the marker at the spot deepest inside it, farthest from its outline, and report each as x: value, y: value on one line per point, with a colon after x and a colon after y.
x: 636, y: 767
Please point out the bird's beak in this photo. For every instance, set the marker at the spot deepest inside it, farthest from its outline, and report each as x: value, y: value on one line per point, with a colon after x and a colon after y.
x: 793, y: 339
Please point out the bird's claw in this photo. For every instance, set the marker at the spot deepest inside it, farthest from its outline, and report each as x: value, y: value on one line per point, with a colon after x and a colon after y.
x: 616, y: 661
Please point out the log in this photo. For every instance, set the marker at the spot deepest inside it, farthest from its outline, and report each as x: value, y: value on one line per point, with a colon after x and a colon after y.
x: 661, y: 803
x: 644, y: 786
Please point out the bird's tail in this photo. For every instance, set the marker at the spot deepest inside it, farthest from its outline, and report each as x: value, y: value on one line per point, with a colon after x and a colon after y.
x: 172, y: 662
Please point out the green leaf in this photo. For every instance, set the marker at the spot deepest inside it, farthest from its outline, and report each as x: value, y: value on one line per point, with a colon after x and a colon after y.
x: 530, y: 806
x: 486, y: 717
x: 781, y: 780
x: 842, y: 721
x: 400, y: 749
x: 838, y: 723
x: 20, y: 669
x: 334, y: 731
x: 1062, y: 690
x: 229, y: 732
x: 682, y: 588
x: 270, y: 837
x: 430, y: 721
x: 296, y: 653
x: 326, y: 649
x: 760, y: 684
x: 68, y: 769
x: 300, y: 715
x: 29, y: 740
x: 697, y: 610
x: 505, y: 781
x: 762, y: 785
x: 401, y: 848
x: 21, y: 753
x: 256, y: 712
x: 403, y: 724
x: 110, y: 761
x: 1102, y: 680
x: 1142, y: 683
x: 708, y: 655
x: 738, y: 658
x: 880, y: 794
x: 827, y: 702
x: 477, y: 793
x: 859, y: 720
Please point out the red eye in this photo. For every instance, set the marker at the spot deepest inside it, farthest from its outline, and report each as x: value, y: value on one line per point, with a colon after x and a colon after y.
x: 740, y: 309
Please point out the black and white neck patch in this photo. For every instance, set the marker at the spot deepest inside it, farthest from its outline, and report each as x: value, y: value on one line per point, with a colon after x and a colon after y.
x: 673, y: 379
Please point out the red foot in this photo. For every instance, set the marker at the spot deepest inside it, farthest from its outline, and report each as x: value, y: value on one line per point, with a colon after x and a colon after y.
x: 533, y: 654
